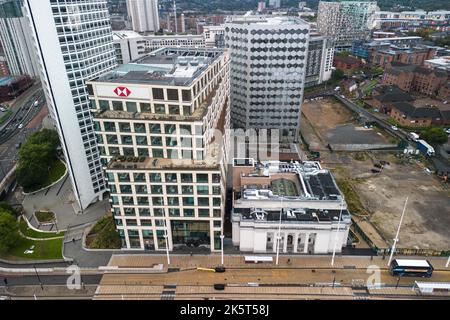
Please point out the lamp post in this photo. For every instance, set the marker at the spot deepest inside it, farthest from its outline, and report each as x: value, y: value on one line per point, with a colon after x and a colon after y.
x: 39, y: 279
x: 398, y: 232
x: 166, y: 236
x: 221, y: 242
x: 337, y: 233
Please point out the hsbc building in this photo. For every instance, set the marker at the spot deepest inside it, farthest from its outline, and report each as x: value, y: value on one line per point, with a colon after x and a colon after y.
x: 155, y: 121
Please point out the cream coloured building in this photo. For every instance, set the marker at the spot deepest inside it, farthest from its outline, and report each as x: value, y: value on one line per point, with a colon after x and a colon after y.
x: 159, y: 124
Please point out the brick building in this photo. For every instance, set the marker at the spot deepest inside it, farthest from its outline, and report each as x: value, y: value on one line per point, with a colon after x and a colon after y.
x: 415, y: 56
x: 410, y: 77
x: 384, y: 96
x: 347, y: 63
x: 408, y: 115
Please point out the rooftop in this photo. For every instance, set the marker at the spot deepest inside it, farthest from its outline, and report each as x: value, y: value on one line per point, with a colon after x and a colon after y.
x: 166, y: 66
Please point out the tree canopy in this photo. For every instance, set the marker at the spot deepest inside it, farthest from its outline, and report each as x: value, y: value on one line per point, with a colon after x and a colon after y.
x: 434, y: 135
x: 36, y: 157
x: 8, y: 231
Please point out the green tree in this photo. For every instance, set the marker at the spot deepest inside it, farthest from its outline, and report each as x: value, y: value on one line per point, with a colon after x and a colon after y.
x: 337, y: 75
x: 4, y: 206
x: 434, y: 135
x: 9, y: 234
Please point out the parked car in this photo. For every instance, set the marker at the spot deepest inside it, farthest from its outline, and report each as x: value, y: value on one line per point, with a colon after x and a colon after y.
x: 394, y: 128
x: 447, y: 131
x: 20, y: 126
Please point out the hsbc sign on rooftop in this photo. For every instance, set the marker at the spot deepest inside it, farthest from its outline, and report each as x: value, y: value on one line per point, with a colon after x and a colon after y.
x: 122, y: 91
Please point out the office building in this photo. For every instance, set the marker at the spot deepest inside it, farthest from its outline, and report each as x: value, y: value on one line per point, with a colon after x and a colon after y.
x: 144, y: 15
x: 74, y: 43
x: 156, y: 120
x: 412, y: 20
x: 15, y: 36
x: 268, y: 69
x: 214, y: 36
x: 300, y: 202
x: 346, y: 21
x: 274, y: 4
x: 130, y: 45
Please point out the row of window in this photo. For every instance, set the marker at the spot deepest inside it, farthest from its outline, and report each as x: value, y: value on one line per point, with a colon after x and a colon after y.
x: 163, y: 212
x: 167, y: 177
x: 170, y: 201
x: 169, y: 189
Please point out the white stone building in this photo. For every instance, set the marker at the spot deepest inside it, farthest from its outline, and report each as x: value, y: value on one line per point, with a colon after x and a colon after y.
x: 212, y: 35
x: 308, y: 199
x: 73, y: 40
x: 166, y: 165
x: 319, y: 66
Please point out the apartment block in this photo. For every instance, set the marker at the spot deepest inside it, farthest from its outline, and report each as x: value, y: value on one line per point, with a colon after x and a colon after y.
x: 319, y: 65
x: 161, y: 124
x: 346, y: 21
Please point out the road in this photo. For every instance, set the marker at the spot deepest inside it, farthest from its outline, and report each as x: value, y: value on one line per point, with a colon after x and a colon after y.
x: 10, y: 135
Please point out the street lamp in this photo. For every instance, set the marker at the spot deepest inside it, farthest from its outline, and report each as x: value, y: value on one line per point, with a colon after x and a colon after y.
x: 398, y: 231
x: 337, y: 233
x: 166, y: 236
x: 221, y: 241
x: 39, y: 279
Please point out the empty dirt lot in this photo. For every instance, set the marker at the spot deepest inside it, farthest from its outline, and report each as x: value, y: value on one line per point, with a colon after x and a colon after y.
x: 327, y: 121
x: 426, y: 224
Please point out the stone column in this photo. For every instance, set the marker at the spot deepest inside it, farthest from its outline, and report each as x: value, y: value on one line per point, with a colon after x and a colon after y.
x: 285, y: 242
x: 296, y: 242
x: 305, y: 248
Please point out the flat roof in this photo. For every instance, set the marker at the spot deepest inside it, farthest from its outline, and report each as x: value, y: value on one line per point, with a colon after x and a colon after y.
x: 165, y: 66
x: 412, y: 263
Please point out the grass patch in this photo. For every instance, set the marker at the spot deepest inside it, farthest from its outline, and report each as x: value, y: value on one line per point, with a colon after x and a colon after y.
x: 351, y: 197
x: 43, y: 250
x: 5, y: 116
x: 45, y: 216
x: 104, y: 235
x: 27, y: 231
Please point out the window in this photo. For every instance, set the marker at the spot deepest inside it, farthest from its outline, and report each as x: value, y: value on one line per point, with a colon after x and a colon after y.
x: 174, y: 212
x: 112, y: 139
x: 104, y: 105
x: 141, y: 140
x: 142, y: 201
x: 141, y: 189
x: 188, y: 201
x: 170, y: 128
x: 113, y: 151
x: 187, y: 110
x: 158, y: 94
x: 216, y: 178
x: 171, y: 142
x: 144, y: 212
x: 143, y: 152
x: 158, y: 153
x: 187, y: 189
x: 173, y: 109
x: 147, y: 223
x: 186, y: 177
x: 123, y: 177
x: 110, y: 126
x: 203, y: 213
x: 127, y: 140
x: 171, y: 177
x: 158, y: 201
x: 172, y: 189
x: 202, y: 178
x: 186, y: 143
x: 146, y: 107
x: 156, y: 189
x: 185, y: 129
x: 188, y: 212
x: 156, y: 141
x: 117, y: 105
x: 158, y: 212
x: 128, y: 152
x: 203, y: 202
x: 216, y: 202
x: 173, y: 201
x: 155, y: 128
x: 202, y: 190
x: 172, y: 94
x: 129, y: 211
x: 139, y: 127
x: 125, y: 188
x: 216, y: 190
x: 160, y: 109
x: 131, y: 106
x: 124, y: 127
x: 186, y: 95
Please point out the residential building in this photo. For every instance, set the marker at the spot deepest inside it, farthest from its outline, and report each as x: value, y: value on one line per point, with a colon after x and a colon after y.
x: 408, y: 115
x: 4, y: 71
x: 161, y: 123
x: 444, y: 92
x: 346, y: 21
x: 347, y: 63
x: 319, y: 66
x: 130, y: 45
x: 415, y: 55
x: 385, y: 96
x: 275, y: 4
x: 144, y: 15
x: 268, y: 68
x: 415, y: 78
x: 74, y: 43
x: 15, y: 36
x: 300, y: 202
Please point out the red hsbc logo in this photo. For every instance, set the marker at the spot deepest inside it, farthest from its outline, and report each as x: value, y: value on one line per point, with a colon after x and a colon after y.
x: 122, y: 91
